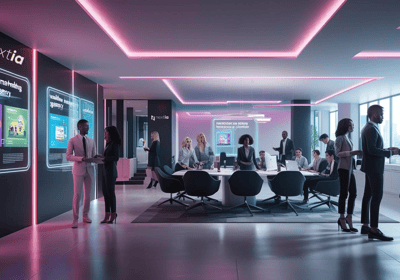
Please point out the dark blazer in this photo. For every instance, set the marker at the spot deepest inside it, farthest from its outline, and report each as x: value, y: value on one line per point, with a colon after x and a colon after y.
x: 289, y: 148
x: 334, y: 175
x: 154, y: 154
x: 330, y: 145
x: 241, y: 156
x: 373, y: 160
x: 111, y: 156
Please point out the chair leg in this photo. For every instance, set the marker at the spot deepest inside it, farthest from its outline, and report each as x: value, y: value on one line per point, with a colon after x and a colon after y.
x: 164, y: 202
x: 273, y: 197
x: 320, y: 204
x: 181, y: 203
x: 251, y: 213
x: 202, y: 204
x: 171, y: 199
x: 211, y: 199
x: 291, y: 206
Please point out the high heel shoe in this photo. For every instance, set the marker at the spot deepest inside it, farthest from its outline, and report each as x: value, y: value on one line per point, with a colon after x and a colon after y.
x: 113, y: 218
x: 150, y: 184
x: 340, y: 225
x: 351, y: 228
x: 106, y: 218
x: 155, y: 184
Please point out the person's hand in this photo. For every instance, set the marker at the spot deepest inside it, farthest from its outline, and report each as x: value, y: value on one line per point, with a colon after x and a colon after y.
x: 275, y: 149
x: 88, y: 159
x: 395, y: 151
x: 356, y: 153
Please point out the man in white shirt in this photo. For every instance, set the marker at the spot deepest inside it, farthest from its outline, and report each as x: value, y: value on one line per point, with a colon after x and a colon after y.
x: 286, y: 148
x: 81, y: 149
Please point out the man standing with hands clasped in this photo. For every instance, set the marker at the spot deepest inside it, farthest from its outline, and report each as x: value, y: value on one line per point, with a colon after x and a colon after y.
x: 81, y: 150
x: 373, y: 165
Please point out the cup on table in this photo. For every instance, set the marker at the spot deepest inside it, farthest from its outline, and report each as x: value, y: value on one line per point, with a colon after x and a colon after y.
x: 217, y: 164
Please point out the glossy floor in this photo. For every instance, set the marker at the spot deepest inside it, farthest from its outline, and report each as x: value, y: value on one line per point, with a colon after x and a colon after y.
x: 52, y: 250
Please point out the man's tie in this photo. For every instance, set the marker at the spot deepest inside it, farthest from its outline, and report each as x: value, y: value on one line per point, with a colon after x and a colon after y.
x: 84, y: 145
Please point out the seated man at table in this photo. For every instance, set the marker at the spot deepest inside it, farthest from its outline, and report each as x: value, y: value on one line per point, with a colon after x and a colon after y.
x: 330, y: 173
x: 261, y: 161
x: 301, y: 161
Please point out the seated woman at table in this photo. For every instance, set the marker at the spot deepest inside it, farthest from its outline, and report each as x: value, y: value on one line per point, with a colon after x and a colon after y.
x: 186, y: 153
x: 330, y: 173
x: 204, y: 152
x: 246, y: 157
x: 301, y: 161
x: 317, y: 160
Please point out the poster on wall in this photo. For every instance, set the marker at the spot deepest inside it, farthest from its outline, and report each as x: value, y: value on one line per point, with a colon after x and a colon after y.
x: 14, y: 122
x: 64, y: 110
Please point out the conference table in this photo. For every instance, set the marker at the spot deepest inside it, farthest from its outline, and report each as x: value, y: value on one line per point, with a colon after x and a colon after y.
x: 228, y: 198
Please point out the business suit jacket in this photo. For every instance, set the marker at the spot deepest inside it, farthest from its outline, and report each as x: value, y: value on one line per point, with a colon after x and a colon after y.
x: 111, y: 156
x: 334, y: 175
x: 289, y: 148
x: 154, y: 154
x: 343, y: 147
x: 331, y: 146
x: 76, y: 153
x: 241, y: 156
x: 373, y: 153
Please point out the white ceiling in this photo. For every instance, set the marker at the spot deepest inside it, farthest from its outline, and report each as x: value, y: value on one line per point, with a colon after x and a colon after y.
x: 65, y: 32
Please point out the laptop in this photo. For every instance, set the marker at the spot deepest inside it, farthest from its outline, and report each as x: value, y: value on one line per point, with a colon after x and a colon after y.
x: 291, y: 165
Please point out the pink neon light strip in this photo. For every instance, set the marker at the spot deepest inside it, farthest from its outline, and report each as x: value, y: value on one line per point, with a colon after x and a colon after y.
x: 120, y: 41
x: 34, y: 140
x: 234, y: 78
x: 377, y: 55
x: 168, y: 83
x: 177, y: 95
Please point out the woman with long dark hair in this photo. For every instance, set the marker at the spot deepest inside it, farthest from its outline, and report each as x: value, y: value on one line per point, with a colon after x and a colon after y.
x: 110, y: 158
x: 344, y: 151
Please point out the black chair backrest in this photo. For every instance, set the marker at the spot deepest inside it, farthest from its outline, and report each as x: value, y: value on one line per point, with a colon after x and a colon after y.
x: 167, y: 183
x: 230, y: 161
x: 178, y: 167
x: 288, y: 183
x: 168, y: 170
x: 222, y: 157
x: 245, y: 183
x: 322, y: 165
x: 329, y: 187
x: 200, y: 183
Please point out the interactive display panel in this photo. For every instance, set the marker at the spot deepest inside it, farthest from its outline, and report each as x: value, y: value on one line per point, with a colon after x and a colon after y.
x: 64, y: 110
x: 223, y: 138
x: 14, y: 122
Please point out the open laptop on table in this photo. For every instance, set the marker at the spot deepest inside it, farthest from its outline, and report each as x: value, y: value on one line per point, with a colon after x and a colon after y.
x: 291, y: 165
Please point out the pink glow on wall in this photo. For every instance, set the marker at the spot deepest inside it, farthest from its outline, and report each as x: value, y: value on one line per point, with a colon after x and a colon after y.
x: 34, y: 140
x: 171, y: 87
x: 378, y: 54
x: 96, y: 14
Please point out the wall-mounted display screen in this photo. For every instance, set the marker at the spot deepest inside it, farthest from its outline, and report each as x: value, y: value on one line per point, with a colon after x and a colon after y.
x: 64, y: 110
x: 223, y: 138
x: 14, y: 122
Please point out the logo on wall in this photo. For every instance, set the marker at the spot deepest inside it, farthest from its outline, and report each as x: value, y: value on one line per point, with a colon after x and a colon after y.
x: 154, y: 118
x: 12, y: 56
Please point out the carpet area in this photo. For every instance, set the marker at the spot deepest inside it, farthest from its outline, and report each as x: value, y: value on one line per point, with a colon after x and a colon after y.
x: 175, y: 213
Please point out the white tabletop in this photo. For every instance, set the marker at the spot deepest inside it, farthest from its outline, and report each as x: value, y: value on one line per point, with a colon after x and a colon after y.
x: 229, y: 172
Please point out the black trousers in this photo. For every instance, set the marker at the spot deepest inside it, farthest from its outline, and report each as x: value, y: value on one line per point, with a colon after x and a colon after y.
x: 347, y: 188
x: 373, y: 193
x: 311, y: 182
x: 109, y: 194
x: 286, y: 157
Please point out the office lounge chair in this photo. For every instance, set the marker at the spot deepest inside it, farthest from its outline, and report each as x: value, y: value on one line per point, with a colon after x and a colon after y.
x: 169, y: 185
x: 200, y: 183
x: 246, y: 183
x: 285, y: 184
x: 328, y: 188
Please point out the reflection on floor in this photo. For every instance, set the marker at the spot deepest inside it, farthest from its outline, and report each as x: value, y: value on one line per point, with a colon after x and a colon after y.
x: 52, y: 250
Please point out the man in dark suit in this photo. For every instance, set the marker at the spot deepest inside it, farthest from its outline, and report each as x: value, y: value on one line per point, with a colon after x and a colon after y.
x: 330, y: 173
x: 373, y: 165
x: 330, y: 144
x: 286, y: 148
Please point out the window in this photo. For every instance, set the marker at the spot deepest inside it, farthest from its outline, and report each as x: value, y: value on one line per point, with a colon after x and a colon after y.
x: 363, y: 116
x: 333, y: 120
x: 395, y: 126
x: 384, y: 127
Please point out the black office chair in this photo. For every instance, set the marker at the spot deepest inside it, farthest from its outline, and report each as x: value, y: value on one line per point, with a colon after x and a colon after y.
x: 178, y: 167
x: 222, y: 158
x: 168, y: 170
x: 287, y: 183
x: 322, y: 165
x: 328, y: 188
x: 200, y: 183
x: 246, y: 183
x: 169, y: 185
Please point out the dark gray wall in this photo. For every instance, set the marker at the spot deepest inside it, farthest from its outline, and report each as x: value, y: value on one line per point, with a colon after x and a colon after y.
x: 301, y: 127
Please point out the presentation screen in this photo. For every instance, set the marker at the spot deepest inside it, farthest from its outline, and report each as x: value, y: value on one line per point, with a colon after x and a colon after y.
x: 226, y: 134
x: 14, y: 122
x: 64, y: 110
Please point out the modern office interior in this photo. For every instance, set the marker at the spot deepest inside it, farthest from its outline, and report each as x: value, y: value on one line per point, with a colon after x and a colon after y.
x: 222, y: 69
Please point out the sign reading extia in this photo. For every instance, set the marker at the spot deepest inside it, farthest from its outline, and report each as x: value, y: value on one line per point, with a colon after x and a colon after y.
x: 11, y: 56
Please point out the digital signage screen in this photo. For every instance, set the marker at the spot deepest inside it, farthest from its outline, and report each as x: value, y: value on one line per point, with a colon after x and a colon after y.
x: 14, y: 122
x: 64, y: 110
x: 223, y: 138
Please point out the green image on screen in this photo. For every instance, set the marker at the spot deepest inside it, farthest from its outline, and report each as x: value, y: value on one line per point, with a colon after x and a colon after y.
x: 15, y: 127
